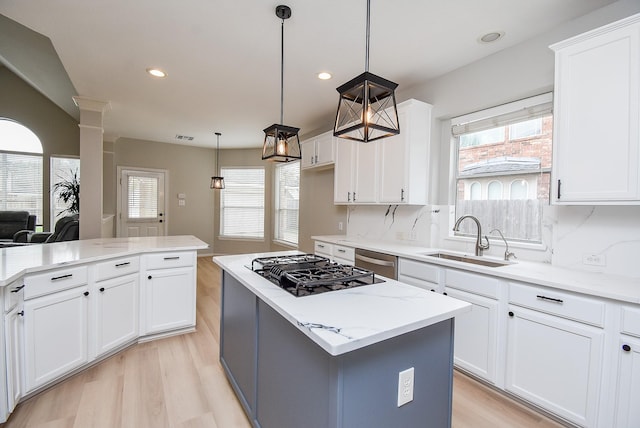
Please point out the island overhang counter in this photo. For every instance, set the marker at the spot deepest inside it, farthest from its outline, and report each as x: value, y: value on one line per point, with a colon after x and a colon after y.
x: 333, y: 359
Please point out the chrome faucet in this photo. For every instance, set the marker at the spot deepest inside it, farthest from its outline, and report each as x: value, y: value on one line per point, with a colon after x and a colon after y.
x: 507, y: 253
x: 479, y: 245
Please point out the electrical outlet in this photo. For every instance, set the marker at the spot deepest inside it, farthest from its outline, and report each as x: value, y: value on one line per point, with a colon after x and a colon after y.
x: 400, y: 236
x: 405, y: 386
x: 413, y: 235
x: 340, y: 226
x: 594, y: 259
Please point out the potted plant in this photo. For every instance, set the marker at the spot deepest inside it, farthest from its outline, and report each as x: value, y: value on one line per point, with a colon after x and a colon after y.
x: 68, y: 191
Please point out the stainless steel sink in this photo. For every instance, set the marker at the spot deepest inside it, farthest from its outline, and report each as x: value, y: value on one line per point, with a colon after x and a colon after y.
x: 469, y: 259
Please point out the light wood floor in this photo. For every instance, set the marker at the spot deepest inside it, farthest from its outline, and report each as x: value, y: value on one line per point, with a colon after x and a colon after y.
x: 178, y: 382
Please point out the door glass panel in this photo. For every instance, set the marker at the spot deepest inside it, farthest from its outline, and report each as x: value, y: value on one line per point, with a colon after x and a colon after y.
x: 142, y: 197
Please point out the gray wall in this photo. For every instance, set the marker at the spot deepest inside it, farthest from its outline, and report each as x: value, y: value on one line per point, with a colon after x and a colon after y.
x: 318, y: 215
x: 58, y: 132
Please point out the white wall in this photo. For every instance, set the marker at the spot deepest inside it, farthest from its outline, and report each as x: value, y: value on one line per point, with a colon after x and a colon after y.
x: 515, y: 73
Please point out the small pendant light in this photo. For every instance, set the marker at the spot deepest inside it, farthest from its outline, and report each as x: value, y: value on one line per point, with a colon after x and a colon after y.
x: 367, y: 107
x: 281, y: 143
x: 217, y: 182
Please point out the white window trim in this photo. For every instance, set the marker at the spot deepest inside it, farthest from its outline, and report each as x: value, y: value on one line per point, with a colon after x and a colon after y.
x: 523, y: 107
x: 276, y: 209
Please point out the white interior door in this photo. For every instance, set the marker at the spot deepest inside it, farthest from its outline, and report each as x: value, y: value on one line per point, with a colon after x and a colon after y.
x: 142, y: 203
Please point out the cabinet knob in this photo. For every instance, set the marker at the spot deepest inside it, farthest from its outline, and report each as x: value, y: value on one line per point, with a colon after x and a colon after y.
x: 626, y: 348
x: 86, y: 293
x: 510, y: 314
x: 149, y: 277
x: 21, y: 313
x: 445, y: 293
x: 433, y: 290
x: 102, y: 289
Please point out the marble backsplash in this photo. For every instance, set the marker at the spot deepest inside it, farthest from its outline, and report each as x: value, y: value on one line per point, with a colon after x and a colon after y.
x: 570, y: 234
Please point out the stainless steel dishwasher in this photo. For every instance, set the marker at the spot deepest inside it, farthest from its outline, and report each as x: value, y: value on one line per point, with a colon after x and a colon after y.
x: 380, y: 263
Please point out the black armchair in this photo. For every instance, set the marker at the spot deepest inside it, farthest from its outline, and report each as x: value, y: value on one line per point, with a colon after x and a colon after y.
x: 66, y: 229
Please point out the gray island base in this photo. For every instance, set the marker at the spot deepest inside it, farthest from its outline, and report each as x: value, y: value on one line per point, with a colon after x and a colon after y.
x: 284, y: 379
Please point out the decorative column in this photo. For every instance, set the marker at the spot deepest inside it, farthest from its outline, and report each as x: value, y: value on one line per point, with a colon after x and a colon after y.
x: 91, y: 113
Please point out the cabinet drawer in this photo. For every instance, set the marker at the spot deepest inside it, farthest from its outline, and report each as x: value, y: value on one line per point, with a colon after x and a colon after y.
x: 346, y: 253
x: 473, y: 283
x: 558, y: 303
x: 419, y: 270
x: 630, y: 321
x: 323, y: 249
x: 54, y: 281
x: 117, y: 267
x: 13, y: 293
x: 169, y: 260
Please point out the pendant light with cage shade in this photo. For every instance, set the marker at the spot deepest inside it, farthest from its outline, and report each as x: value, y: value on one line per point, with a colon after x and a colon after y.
x: 217, y: 182
x: 281, y: 142
x: 367, y: 108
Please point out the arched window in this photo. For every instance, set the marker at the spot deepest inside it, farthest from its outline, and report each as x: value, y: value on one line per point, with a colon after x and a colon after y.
x: 494, y: 191
x: 20, y: 169
x: 519, y: 189
x: 475, y: 191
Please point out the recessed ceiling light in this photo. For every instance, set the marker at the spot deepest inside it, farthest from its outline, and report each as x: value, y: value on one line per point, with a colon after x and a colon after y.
x: 491, y: 37
x: 156, y: 72
x: 324, y: 76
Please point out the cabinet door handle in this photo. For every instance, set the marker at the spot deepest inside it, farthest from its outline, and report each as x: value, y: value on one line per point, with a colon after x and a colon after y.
x: 354, y: 196
x: 56, y: 278
x: 86, y: 293
x: 102, y: 289
x: 559, y: 184
x: 511, y: 314
x: 21, y: 313
x: 626, y: 348
x: 172, y: 258
x: 149, y: 277
x: 316, y: 158
x: 122, y: 264
x: 15, y: 290
x: 320, y: 246
x: 550, y: 299
x: 348, y: 196
x: 341, y: 250
x: 401, y: 195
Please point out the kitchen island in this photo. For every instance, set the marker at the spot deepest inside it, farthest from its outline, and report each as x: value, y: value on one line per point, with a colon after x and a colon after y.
x: 334, y: 359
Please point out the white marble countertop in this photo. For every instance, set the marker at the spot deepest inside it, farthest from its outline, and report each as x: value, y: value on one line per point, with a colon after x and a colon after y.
x: 17, y: 261
x: 620, y: 288
x: 359, y: 316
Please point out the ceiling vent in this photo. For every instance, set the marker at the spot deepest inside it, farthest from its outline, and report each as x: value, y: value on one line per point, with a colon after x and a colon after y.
x: 183, y: 137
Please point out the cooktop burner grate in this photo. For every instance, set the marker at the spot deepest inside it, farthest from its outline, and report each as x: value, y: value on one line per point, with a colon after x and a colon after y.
x: 306, y: 274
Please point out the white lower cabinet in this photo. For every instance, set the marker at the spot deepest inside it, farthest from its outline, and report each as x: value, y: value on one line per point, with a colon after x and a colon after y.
x: 627, y: 410
x: 628, y: 384
x: 419, y: 274
x: 168, y: 292
x: 55, y: 335
x: 475, y: 342
x: 552, y: 361
x: 13, y: 350
x: 116, y: 312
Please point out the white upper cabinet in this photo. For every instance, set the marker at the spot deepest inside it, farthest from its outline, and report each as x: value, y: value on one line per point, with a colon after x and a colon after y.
x: 404, y: 158
x: 596, y: 147
x: 318, y: 151
x: 392, y: 170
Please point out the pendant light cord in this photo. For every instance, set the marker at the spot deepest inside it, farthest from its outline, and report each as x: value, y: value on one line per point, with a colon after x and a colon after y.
x: 282, y: 73
x: 218, y: 154
x: 366, y: 56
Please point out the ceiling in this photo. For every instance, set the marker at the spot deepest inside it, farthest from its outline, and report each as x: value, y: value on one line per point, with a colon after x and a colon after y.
x: 223, y: 56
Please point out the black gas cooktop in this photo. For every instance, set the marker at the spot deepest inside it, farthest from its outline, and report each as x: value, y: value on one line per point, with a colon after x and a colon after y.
x: 306, y: 274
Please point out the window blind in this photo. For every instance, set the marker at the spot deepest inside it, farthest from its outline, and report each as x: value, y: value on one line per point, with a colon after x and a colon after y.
x: 287, y: 202
x: 142, y: 194
x: 242, y: 203
x: 505, y: 114
x: 21, y: 183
